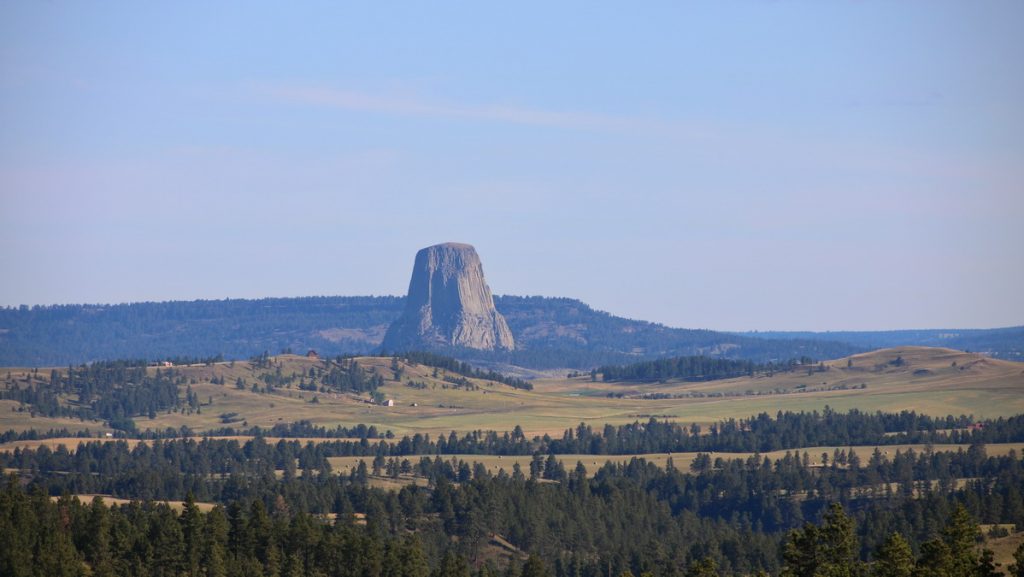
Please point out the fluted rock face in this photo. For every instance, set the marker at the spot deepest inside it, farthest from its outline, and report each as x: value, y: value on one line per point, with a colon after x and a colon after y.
x: 449, y: 304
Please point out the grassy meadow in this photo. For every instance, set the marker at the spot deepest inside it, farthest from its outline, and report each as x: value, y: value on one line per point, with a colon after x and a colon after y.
x: 930, y: 381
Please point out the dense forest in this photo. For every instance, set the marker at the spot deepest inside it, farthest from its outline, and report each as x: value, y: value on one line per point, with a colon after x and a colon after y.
x: 282, y: 511
x: 549, y: 332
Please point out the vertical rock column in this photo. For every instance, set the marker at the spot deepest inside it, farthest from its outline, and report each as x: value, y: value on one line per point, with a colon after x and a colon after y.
x: 449, y: 305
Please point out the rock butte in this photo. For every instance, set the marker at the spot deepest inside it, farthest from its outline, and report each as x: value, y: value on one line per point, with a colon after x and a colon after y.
x: 449, y: 305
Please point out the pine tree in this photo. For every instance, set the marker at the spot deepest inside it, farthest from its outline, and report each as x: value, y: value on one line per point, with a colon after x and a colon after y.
x: 191, y: 521
x: 18, y: 528
x: 167, y: 543
x: 839, y: 545
x: 829, y: 550
x: 894, y: 558
x: 800, y: 555
x: 961, y: 536
x: 97, y: 548
x: 295, y: 566
x: 534, y: 567
x: 414, y: 560
x: 935, y: 560
x: 705, y: 567
x: 452, y: 565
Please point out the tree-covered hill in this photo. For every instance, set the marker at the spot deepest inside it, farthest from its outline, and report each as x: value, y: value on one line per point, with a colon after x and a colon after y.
x: 549, y: 332
x: 232, y: 328
x: 1002, y: 343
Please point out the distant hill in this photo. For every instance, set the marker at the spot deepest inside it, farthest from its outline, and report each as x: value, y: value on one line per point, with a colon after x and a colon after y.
x: 550, y: 329
x: 1003, y: 343
x: 549, y: 332
x: 234, y: 328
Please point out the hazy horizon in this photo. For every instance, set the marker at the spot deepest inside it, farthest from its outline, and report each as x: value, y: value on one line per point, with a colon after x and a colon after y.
x: 772, y: 166
x: 496, y: 295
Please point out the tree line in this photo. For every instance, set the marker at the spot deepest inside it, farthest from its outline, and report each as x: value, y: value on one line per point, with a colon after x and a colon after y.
x: 736, y: 516
x: 462, y: 368
x: 696, y: 368
x: 762, y: 432
x: 831, y: 548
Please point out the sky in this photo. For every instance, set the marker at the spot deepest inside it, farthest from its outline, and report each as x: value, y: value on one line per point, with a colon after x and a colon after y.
x: 756, y: 165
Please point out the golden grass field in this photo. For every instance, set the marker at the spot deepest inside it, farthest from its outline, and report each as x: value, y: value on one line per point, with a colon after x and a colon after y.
x: 177, y: 506
x: 681, y: 461
x: 928, y: 382
x: 1003, y: 547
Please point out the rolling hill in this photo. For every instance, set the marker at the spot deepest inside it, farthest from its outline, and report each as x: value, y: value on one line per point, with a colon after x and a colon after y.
x: 931, y: 381
x: 1005, y: 343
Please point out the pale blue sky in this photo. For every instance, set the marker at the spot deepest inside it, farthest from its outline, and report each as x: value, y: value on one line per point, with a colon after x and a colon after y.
x: 728, y: 165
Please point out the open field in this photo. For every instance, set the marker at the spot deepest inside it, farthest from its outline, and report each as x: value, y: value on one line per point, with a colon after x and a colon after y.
x: 11, y: 419
x: 679, y: 460
x: 178, y: 506
x: 931, y: 381
x: 1003, y: 547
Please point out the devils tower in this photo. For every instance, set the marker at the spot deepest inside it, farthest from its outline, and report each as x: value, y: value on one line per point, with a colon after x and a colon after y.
x: 449, y: 305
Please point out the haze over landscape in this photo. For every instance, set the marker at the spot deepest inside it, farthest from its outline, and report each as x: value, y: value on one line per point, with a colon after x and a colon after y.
x: 752, y: 302
x: 735, y: 166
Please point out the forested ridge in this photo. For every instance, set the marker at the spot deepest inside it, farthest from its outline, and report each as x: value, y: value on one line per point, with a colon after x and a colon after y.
x: 549, y: 332
x: 282, y: 511
x: 48, y: 335
x: 1004, y: 343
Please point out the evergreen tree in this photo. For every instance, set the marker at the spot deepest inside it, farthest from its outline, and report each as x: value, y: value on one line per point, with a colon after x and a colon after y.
x: 414, y: 561
x: 826, y: 551
x: 97, y: 546
x: 894, y: 558
x: 191, y: 521
x: 838, y: 546
x: 935, y: 560
x: 706, y: 567
x: 18, y: 527
x: 167, y: 542
x: 452, y: 565
x: 961, y: 536
x: 534, y: 567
